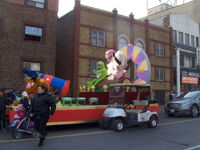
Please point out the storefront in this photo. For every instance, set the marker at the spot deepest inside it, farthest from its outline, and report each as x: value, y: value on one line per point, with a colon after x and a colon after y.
x: 190, y: 79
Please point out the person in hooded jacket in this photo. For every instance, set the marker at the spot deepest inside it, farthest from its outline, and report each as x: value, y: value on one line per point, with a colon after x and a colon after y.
x: 42, y: 107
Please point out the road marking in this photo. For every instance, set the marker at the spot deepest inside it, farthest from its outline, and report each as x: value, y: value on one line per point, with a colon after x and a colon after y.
x: 177, y: 122
x: 57, y: 136
x: 90, y: 133
x: 195, y: 147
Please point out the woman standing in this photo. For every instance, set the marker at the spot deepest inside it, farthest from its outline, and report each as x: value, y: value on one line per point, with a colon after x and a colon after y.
x: 40, y: 111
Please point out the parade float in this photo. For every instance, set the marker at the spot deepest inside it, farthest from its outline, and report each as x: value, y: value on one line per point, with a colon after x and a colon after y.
x: 94, y: 96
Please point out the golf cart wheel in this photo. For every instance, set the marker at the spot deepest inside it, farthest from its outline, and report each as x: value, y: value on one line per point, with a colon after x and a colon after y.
x: 194, y: 111
x: 153, y: 122
x: 17, y: 135
x: 118, y: 125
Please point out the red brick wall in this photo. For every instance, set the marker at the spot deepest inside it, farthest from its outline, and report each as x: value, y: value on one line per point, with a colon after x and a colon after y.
x: 14, y: 49
x: 65, y: 48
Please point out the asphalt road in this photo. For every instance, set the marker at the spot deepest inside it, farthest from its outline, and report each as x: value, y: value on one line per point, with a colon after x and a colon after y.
x: 178, y: 133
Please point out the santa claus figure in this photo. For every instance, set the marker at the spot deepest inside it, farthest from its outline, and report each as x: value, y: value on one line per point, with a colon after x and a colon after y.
x: 117, y: 64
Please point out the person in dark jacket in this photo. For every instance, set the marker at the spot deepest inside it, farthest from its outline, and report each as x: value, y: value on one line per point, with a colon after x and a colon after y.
x: 2, y: 110
x: 40, y: 111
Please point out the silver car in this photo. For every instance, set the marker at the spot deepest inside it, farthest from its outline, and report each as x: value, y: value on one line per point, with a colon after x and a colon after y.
x: 186, y: 104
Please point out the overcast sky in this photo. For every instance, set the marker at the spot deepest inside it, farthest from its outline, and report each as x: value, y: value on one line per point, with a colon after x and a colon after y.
x: 124, y: 7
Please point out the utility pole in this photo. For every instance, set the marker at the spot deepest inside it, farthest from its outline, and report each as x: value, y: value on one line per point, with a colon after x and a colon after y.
x: 178, y: 71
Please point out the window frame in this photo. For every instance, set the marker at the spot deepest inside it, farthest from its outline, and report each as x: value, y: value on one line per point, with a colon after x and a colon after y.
x: 34, y: 26
x: 159, y: 78
x: 174, y: 36
x: 32, y: 61
x: 197, y: 41
x: 91, y: 69
x: 97, y: 38
x: 45, y: 4
x: 187, y: 39
x: 182, y: 39
x: 157, y: 51
x: 192, y: 41
x: 124, y: 38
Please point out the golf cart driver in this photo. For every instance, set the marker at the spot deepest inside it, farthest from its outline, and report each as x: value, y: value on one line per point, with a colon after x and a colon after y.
x: 120, y: 114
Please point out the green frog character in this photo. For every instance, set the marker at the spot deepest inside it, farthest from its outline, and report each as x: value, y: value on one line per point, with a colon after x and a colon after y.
x: 101, y: 74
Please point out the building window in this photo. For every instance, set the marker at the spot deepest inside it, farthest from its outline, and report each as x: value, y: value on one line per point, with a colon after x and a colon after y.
x: 187, y: 39
x: 98, y: 38
x: 33, y: 33
x: 187, y: 61
x: 122, y: 42
x: 160, y: 74
x: 36, y: 3
x: 193, y: 62
x: 174, y: 36
x: 174, y: 60
x: 32, y: 66
x: 93, y: 66
x: 140, y: 44
x: 181, y: 60
x: 159, y: 49
x: 192, y: 41
x: 197, y: 42
x: 180, y: 37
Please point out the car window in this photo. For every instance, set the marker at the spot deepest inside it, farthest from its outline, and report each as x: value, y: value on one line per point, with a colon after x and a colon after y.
x: 193, y: 94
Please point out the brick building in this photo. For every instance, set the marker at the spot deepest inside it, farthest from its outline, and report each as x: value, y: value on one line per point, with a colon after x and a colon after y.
x: 85, y: 33
x: 27, y: 39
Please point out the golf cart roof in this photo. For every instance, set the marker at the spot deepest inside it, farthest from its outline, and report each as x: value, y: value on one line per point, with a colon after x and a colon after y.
x: 131, y: 85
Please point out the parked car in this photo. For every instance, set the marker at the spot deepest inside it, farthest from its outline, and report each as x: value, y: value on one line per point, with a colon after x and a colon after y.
x: 187, y: 103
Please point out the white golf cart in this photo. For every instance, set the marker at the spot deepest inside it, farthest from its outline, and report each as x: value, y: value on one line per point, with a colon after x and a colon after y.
x: 120, y: 113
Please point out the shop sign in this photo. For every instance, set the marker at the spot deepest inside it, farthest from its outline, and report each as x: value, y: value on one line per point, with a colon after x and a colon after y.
x: 190, y: 80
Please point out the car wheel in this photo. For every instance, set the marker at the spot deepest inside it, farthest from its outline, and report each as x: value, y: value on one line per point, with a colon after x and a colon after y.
x: 118, y: 125
x: 153, y: 122
x: 194, y: 111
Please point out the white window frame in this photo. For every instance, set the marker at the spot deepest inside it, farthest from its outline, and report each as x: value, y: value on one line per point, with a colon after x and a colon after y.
x: 187, y: 41
x: 123, y: 36
x: 33, y: 31
x: 36, y: 3
x: 98, y: 38
x: 141, y: 41
x: 91, y: 74
x: 192, y: 40
x: 158, y: 51
x: 159, y: 74
x: 32, y: 63
x: 179, y: 38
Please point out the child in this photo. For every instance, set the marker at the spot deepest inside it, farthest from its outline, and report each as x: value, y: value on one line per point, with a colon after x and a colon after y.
x: 25, y: 101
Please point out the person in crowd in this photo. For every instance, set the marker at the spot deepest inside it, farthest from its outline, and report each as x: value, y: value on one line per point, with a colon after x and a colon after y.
x: 42, y: 107
x: 172, y: 95
x: 25, y: 101
x: 2, y: 111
